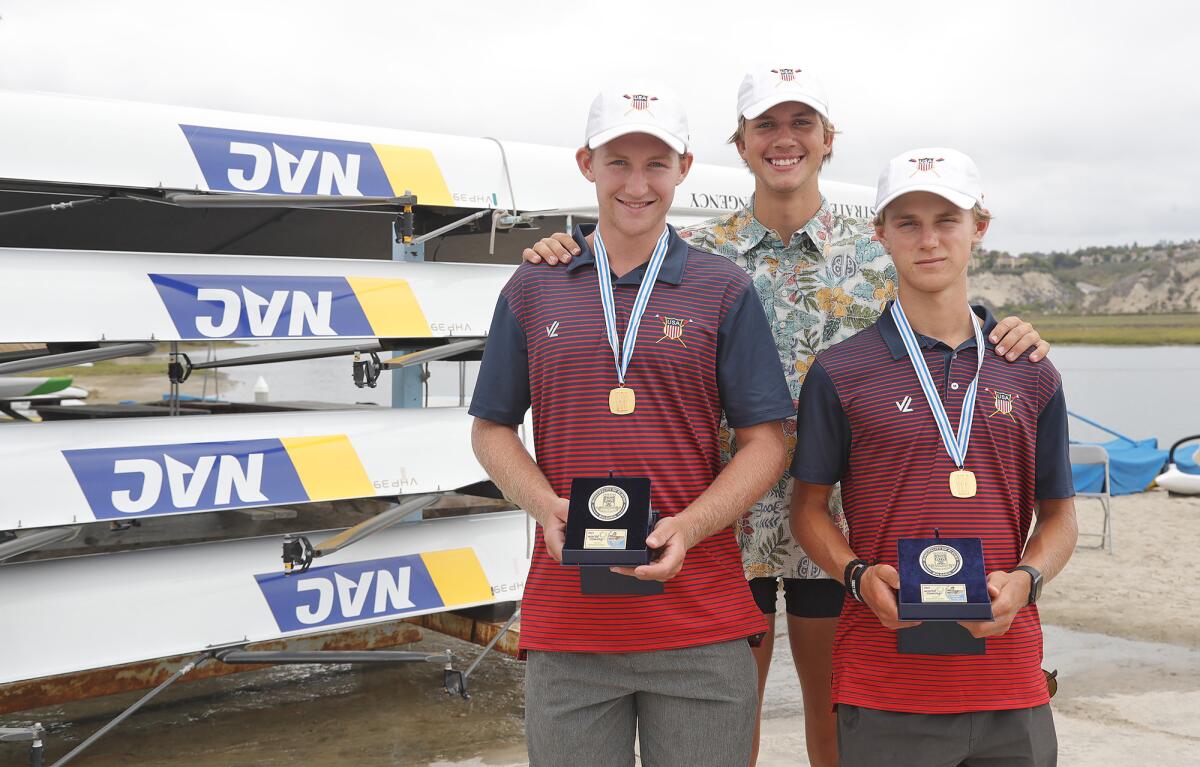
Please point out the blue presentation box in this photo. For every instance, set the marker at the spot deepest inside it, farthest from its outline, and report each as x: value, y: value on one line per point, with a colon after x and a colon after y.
x: 942, y: 579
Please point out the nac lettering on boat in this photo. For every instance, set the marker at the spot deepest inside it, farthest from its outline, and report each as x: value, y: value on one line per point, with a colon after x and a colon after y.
x: 276, y: 163
x: 208, y: 306
x: 374, y: 589
x: 152, y: 480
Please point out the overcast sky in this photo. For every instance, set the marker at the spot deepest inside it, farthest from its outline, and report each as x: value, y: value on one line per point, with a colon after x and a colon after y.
x: 1083, y: 116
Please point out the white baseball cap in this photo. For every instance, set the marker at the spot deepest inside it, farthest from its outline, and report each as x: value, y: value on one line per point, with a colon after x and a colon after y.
x: 945, y: 172
x: 763, y: 88
x: 645, y: 108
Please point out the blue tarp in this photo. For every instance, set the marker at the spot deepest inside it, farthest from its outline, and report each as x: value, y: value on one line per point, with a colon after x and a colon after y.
x: 1186, y: 459
x: 1131, y: 467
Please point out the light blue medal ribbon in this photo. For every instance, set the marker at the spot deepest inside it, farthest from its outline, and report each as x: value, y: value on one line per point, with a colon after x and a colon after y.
x: 956, y: 446
x: 623, y: 353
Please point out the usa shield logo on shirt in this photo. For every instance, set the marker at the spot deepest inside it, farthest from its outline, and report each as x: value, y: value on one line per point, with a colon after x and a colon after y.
x: 1003, y: 403
x: 672, y: 329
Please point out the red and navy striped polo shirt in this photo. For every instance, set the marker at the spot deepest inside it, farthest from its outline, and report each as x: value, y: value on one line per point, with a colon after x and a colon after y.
x: 704, y: 346
x: 864, y: 420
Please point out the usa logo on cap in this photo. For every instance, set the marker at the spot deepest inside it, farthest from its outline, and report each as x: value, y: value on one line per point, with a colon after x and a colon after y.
x: 641, y: 102
x: 785, y: 75
x: 926, y: 164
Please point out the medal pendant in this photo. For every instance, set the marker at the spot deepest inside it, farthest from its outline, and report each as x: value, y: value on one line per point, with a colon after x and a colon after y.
x: 962, y: 484
x: 621, y: 401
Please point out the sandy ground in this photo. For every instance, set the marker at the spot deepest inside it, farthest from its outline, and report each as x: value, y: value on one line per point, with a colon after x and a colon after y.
x: 1137, y: 591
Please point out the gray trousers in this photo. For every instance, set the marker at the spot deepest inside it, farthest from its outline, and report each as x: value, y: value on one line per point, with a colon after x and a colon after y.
x: 1022, y: 737
x: 689, y: 707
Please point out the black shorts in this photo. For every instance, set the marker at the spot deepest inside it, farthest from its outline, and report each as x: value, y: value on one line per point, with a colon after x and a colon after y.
x: 804, y: 597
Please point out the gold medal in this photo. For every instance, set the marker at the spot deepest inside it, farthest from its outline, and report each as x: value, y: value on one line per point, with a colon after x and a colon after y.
x: 621, y: 400
x: 962, y: 484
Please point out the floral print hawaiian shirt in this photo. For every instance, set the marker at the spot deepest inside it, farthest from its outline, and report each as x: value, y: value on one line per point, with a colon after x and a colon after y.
x: 831, y: 280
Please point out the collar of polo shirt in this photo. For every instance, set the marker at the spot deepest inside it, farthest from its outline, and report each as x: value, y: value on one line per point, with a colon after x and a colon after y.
x: 751, y: 232
x: 895, y: 344
x: 672, y: 268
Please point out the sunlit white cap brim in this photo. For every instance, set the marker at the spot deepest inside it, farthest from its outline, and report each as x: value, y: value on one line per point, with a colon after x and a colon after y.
x: 762, y: 105
x: 605, y: 136
x: 961, y: 199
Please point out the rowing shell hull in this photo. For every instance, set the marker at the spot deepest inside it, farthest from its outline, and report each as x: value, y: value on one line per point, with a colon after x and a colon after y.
x: 68, y: 615
x: 121, y: 144
x: 72, y: 472
x: 121, y: 296
x: 36, y: 388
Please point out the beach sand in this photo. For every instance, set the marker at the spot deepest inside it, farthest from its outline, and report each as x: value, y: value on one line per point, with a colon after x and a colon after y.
x: 1137, y: 591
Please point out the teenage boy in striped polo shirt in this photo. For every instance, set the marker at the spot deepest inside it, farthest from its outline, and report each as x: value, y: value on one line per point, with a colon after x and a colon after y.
x: 821, y: 277
x: 870, y: 416
x: 675, y: 667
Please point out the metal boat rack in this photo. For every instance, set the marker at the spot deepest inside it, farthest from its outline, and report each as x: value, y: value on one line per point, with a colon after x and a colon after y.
x: 298, y: 552
x: 35, y: 734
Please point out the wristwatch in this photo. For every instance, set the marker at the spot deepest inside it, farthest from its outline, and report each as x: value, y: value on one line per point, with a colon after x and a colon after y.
x: 1035, y: 583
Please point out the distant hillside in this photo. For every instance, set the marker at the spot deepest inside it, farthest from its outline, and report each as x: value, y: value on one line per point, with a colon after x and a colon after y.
x: 1129, y: 279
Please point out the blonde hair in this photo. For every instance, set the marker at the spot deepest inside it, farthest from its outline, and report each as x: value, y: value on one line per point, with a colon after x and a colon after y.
x: 826, y: 125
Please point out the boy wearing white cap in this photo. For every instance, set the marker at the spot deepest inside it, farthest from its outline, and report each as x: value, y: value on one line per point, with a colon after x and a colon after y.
x: 613, y: 393
x: 929, y: 436
x: 821, y: 277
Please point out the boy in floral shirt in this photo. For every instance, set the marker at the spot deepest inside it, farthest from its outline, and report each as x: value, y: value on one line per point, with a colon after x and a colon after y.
x: 822, y: 276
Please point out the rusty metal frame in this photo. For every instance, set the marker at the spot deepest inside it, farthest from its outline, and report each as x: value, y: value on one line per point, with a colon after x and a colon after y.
x: 183, y: 670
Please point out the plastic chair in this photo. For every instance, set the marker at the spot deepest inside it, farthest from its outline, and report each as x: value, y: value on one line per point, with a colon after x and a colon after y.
x: 1089, y: 455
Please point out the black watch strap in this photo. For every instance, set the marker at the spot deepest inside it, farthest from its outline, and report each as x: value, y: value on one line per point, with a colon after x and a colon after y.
x: 1035, y: 582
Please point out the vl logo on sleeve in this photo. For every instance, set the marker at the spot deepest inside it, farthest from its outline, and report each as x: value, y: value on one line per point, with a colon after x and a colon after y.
x: 376, y: 588
x: 206, y: 306
x: 149, y: 480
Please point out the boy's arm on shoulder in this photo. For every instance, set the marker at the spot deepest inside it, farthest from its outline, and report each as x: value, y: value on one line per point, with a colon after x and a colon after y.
x: 703, y: 236
x: 1014, y: 336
